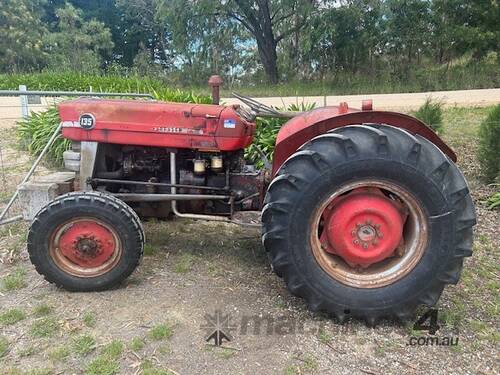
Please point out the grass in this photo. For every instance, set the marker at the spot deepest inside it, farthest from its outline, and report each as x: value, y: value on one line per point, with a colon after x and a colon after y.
x: 113, y: 349
x: 161, y: 332
x: 83, y: 345
x: 149, y: 249
x: 59, y: 354
x: 431, y: 113
x: 89, y: 319
x: 11, y: 317
x: 4, y: 346
x: 148, y: 368
x: 42, y: 310
x: 184, y: 263
x: 15, y: 280
x: 103, y: 365
x: 324, y: 337
x: 44, y: 327
x: 225, y: 353
x: 137, y: 344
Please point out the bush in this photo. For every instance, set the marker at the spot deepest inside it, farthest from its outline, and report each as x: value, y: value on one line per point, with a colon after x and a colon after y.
x: 35, y: 131
x: 493, y: 201
x: 489, y: 145
x: 265, y: 136
x: 431, y: 113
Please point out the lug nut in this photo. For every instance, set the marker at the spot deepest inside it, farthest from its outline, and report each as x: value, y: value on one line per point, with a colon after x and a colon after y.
x: 365, y: 246
x: 356, y: 242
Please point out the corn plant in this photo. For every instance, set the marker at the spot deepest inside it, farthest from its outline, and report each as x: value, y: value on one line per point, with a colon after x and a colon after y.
x: 266, y: 132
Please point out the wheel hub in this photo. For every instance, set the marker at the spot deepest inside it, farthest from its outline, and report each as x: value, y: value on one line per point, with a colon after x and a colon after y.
x: 88, y: 244
x: 363, y: 228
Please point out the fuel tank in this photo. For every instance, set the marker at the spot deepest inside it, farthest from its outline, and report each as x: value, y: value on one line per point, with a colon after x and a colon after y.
x: 204, y: 127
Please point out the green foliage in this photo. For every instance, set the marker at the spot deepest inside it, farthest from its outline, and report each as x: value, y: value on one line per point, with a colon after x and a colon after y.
x: 103, y: 365
x: 14, y: 281
x: 89, y: 319
x: 21, y: 35
x: 493, y: 201
x: 489, y: 145
x: 4, y: 346
x: 431, y: 114
x: 35, y: 131
x: 113, y: 350
x: 75, y: 81
x: 161, y: 331
x: 76, y: 44
x: 266, y: 132
x: 12, y: 316
x: 45, y: 327
x: 83, y: 344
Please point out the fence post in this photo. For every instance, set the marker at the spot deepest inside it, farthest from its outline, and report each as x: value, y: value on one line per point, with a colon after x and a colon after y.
x: 24, y: 102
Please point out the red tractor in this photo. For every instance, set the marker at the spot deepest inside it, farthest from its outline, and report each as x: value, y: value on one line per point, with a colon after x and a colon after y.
x: 364, y: 212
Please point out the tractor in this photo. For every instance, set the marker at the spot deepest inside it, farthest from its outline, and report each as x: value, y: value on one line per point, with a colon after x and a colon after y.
x: 364, y: 213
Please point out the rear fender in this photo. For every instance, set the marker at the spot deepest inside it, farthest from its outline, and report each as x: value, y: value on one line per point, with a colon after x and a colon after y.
x: 304, y: 127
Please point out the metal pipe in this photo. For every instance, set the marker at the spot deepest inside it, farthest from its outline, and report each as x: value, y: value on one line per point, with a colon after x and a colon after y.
x: 132, y: 197
x: 11, y: 219
x: 146, y: 183
x: 71, y: 93
x: 174, y: 203
x: 32, y: 169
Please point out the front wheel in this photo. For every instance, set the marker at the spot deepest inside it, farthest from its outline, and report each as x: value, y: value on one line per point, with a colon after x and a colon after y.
x: 368, y: 221
x: 85, y: 241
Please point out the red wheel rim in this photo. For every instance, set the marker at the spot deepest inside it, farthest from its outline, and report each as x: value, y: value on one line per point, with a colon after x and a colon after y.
x: 369, y: 234
x: 85, y: 247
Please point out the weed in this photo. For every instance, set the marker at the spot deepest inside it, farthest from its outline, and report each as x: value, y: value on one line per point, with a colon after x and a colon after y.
x: 45, y: 327
x: 489, y: 144
x: 324, y: 337
x: 161, y: 332
x: 59, y: 354
x: 42, y: 310
x: 83, y: 345
x: 27, y: 352
x: 225, y: 353
x: 4, y: 346
x: 136, y: 344
x: 113, y: 350
x: 148, y: 368
x: 12, y: 316
x: 149, y: 249
x: 103, y: 365
x: 184, y: 263
x: 89, y: 319
x: 431, y: 113
x: 15, y: 280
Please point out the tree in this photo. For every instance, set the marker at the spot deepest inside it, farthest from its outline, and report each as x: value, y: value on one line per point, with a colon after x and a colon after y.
x: 269, y: 22
x: 21, y: 35
x: 77, y: 44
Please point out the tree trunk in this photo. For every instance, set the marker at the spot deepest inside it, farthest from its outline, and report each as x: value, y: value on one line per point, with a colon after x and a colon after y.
x: 269, y: 58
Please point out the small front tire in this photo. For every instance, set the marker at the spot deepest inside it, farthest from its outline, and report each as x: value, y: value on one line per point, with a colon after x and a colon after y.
x: 86, y: 241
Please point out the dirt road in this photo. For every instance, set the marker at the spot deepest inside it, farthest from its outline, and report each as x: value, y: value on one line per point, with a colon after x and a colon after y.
x: 460, y: 98
x: 157, y: 321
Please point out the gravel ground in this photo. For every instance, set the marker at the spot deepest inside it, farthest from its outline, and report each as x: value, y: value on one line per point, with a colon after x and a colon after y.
x: 155, y: 322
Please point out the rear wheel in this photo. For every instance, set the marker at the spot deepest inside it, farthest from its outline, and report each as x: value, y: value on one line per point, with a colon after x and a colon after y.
x: 86, y: 241
x: 368, y: 221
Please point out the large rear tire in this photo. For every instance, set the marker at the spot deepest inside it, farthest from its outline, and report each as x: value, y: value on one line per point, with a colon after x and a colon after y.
x: 369, y: 222
x: 86, y: 241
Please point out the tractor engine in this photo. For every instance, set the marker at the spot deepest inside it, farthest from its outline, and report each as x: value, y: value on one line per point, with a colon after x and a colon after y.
x: 145, y: 152
x: 147, y: 170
